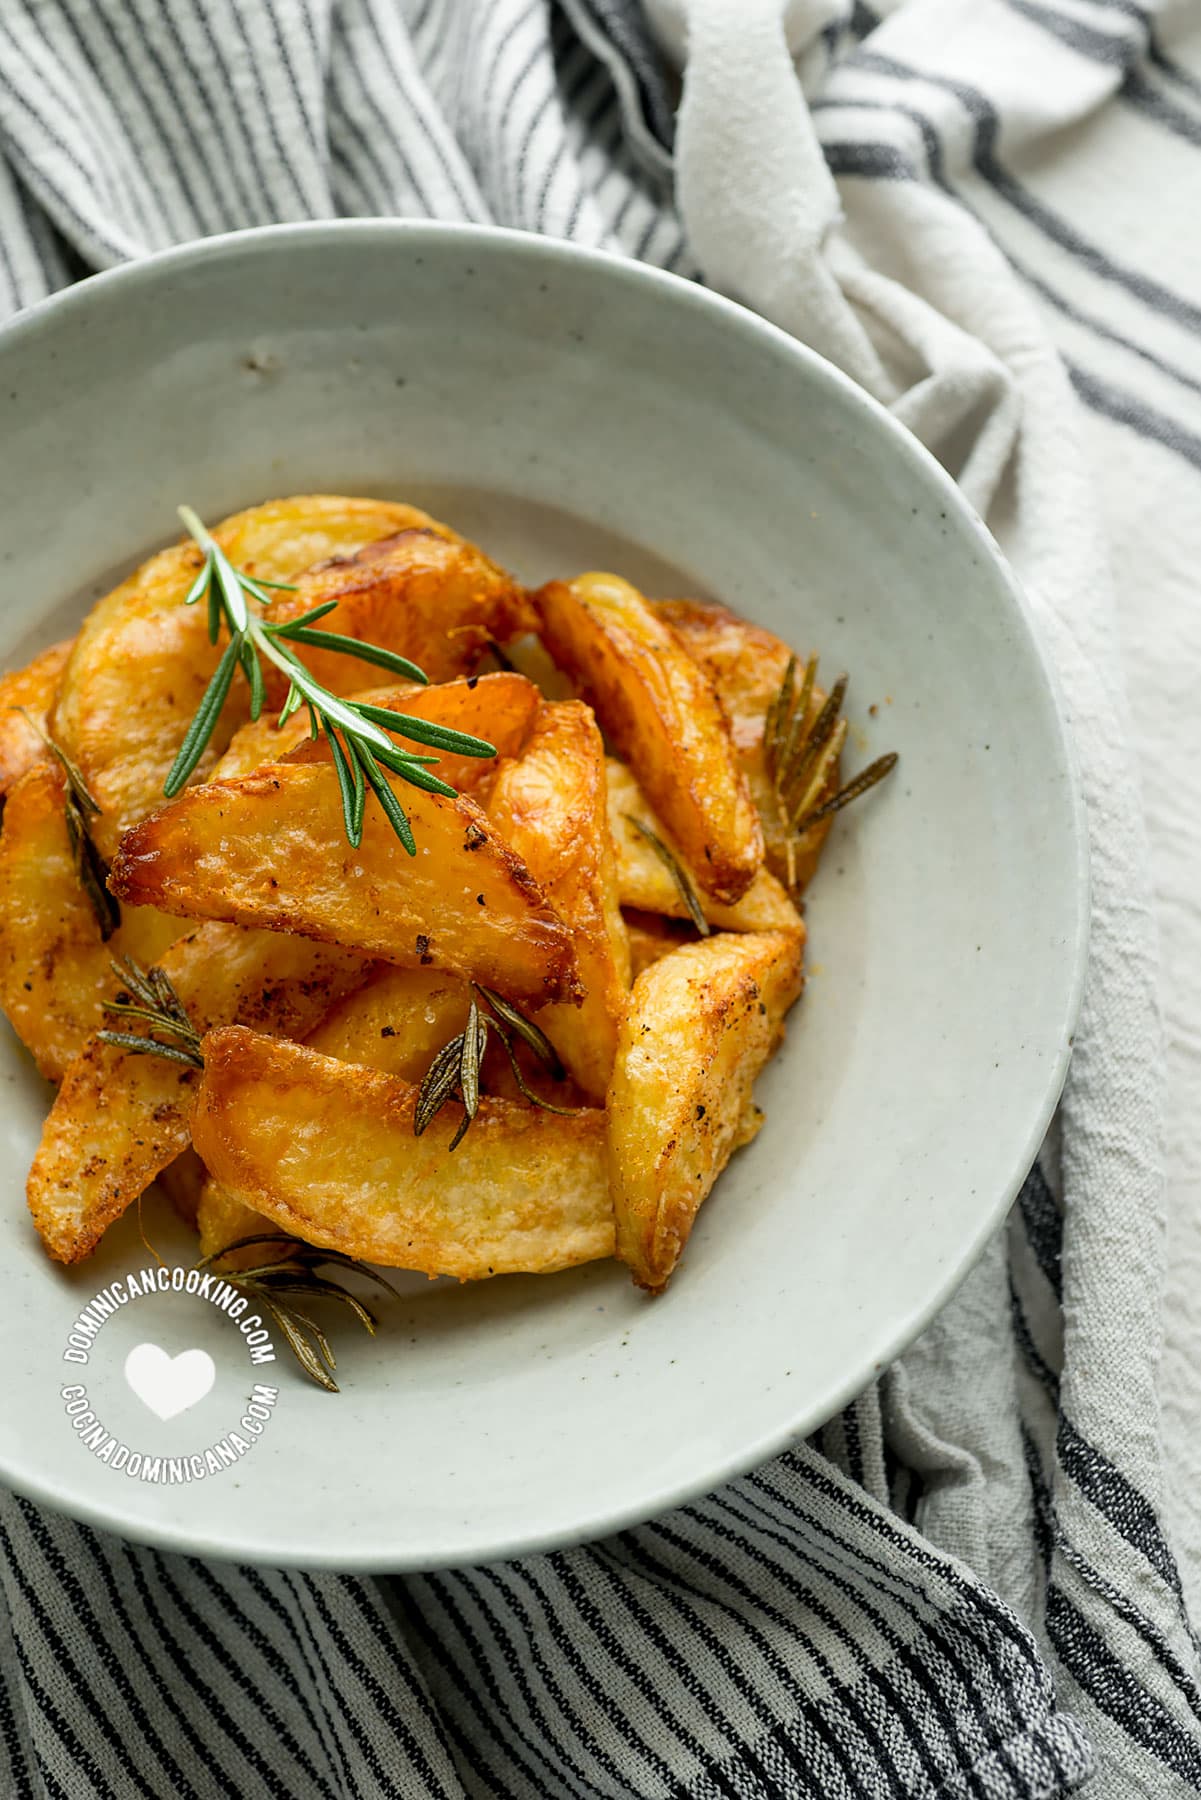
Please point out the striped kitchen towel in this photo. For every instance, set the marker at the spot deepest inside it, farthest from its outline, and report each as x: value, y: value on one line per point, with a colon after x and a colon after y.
x: 968, y: 1584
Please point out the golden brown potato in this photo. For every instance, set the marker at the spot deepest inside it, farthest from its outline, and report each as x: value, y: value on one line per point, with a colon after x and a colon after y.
x: 55, y: 969
x: 120, y: 1118
x: 700, y: 1025
x: 422, y: 593
x: 270, y: 849
x: 396, y: 1023
x: 400, y: 1019
x: 327, y: 1151
x: 26, y: 698
x: 659, y: 711
x: 550, y: 804
x: 746, y: 664
x: 644, y: 881
x: 499, y: 708
x: 142, y: 659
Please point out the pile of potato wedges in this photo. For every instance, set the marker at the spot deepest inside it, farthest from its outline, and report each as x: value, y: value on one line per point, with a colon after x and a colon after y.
x: 570, y: 875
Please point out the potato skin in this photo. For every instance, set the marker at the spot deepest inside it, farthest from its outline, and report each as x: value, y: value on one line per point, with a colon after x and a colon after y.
x: 660, y: 712
x: 270, y: 850
x: 746, y: 664
x: 327, y: 1151
x: 551, y: 805
x: 701, y: 1023
x: 31, y: 691
x: 421, y: 592
x: 118, y: 1119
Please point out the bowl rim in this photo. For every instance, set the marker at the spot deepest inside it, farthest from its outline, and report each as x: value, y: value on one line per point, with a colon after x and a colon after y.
x: 350, y: 1557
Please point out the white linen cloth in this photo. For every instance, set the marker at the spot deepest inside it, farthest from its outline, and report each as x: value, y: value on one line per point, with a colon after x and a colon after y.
x: 984, y: 210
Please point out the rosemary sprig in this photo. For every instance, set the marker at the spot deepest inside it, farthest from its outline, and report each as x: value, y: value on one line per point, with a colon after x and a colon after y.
x: 454, y: 1072
x: 678, y: 873
x: 360, y: 747
x: 147, y: 994
x: 295, y: 1274
x: 78, y: 807
x: 800, y: 754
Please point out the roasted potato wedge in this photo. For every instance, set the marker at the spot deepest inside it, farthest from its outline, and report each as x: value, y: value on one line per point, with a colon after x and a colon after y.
x: 700, y: 1025
x: 26, y: 699
x: 120, y: 1118
x: 550, y: 804
x: 401, y: 1018
x: 327, y: 1150
x: 270, y: 849
x: 396, y: 1023
x: 644, y: 880
x: 499, y: 708
x: 746, y: 665
x: 660, y: 713
x: 55, y: 969
x: 142, y: 659
x: 423, y: 593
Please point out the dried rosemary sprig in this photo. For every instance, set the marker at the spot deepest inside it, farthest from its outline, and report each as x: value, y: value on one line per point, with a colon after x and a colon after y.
x: 801, y: 752
x: 678, y: 873
x: 78, y: 807
x: 295, y: 1274
x: 155, y: 1001
x: 360, y: 748
x: 455, y: 1071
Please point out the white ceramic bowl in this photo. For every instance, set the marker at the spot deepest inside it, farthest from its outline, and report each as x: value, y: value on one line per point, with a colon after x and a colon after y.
x: 575, y: 411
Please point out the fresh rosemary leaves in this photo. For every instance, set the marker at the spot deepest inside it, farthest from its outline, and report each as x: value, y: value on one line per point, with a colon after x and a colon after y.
x: 455, y: 1071
x: 147, y: 994
x: 360, y: 748
x: 678, y: 873
x: 78, y: 808
x: 295, y: 1274
x: 801, y: 754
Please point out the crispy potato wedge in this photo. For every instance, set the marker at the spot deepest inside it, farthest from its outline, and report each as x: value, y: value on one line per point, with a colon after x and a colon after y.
x: 142, y: 659
x: 499, y: 708
x: 660, y: 712
x: 396, y: 1024
x: 119, y: 1119
x: 401, y: 1018
x: 55, y: 969
x: 644, y: 880
x: 270, y: 849
x: 551, y: 805
x: 327, y: 1150
x: 423, y: 593
x: 700, y: 1025
x: 746, y: 665
x: 26, y: 699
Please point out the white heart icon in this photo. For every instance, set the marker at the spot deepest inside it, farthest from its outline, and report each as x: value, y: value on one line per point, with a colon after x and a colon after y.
x: 168, y: 1385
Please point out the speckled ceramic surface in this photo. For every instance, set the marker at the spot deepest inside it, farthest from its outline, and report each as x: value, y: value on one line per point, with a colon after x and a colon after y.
x: 574, y: 411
